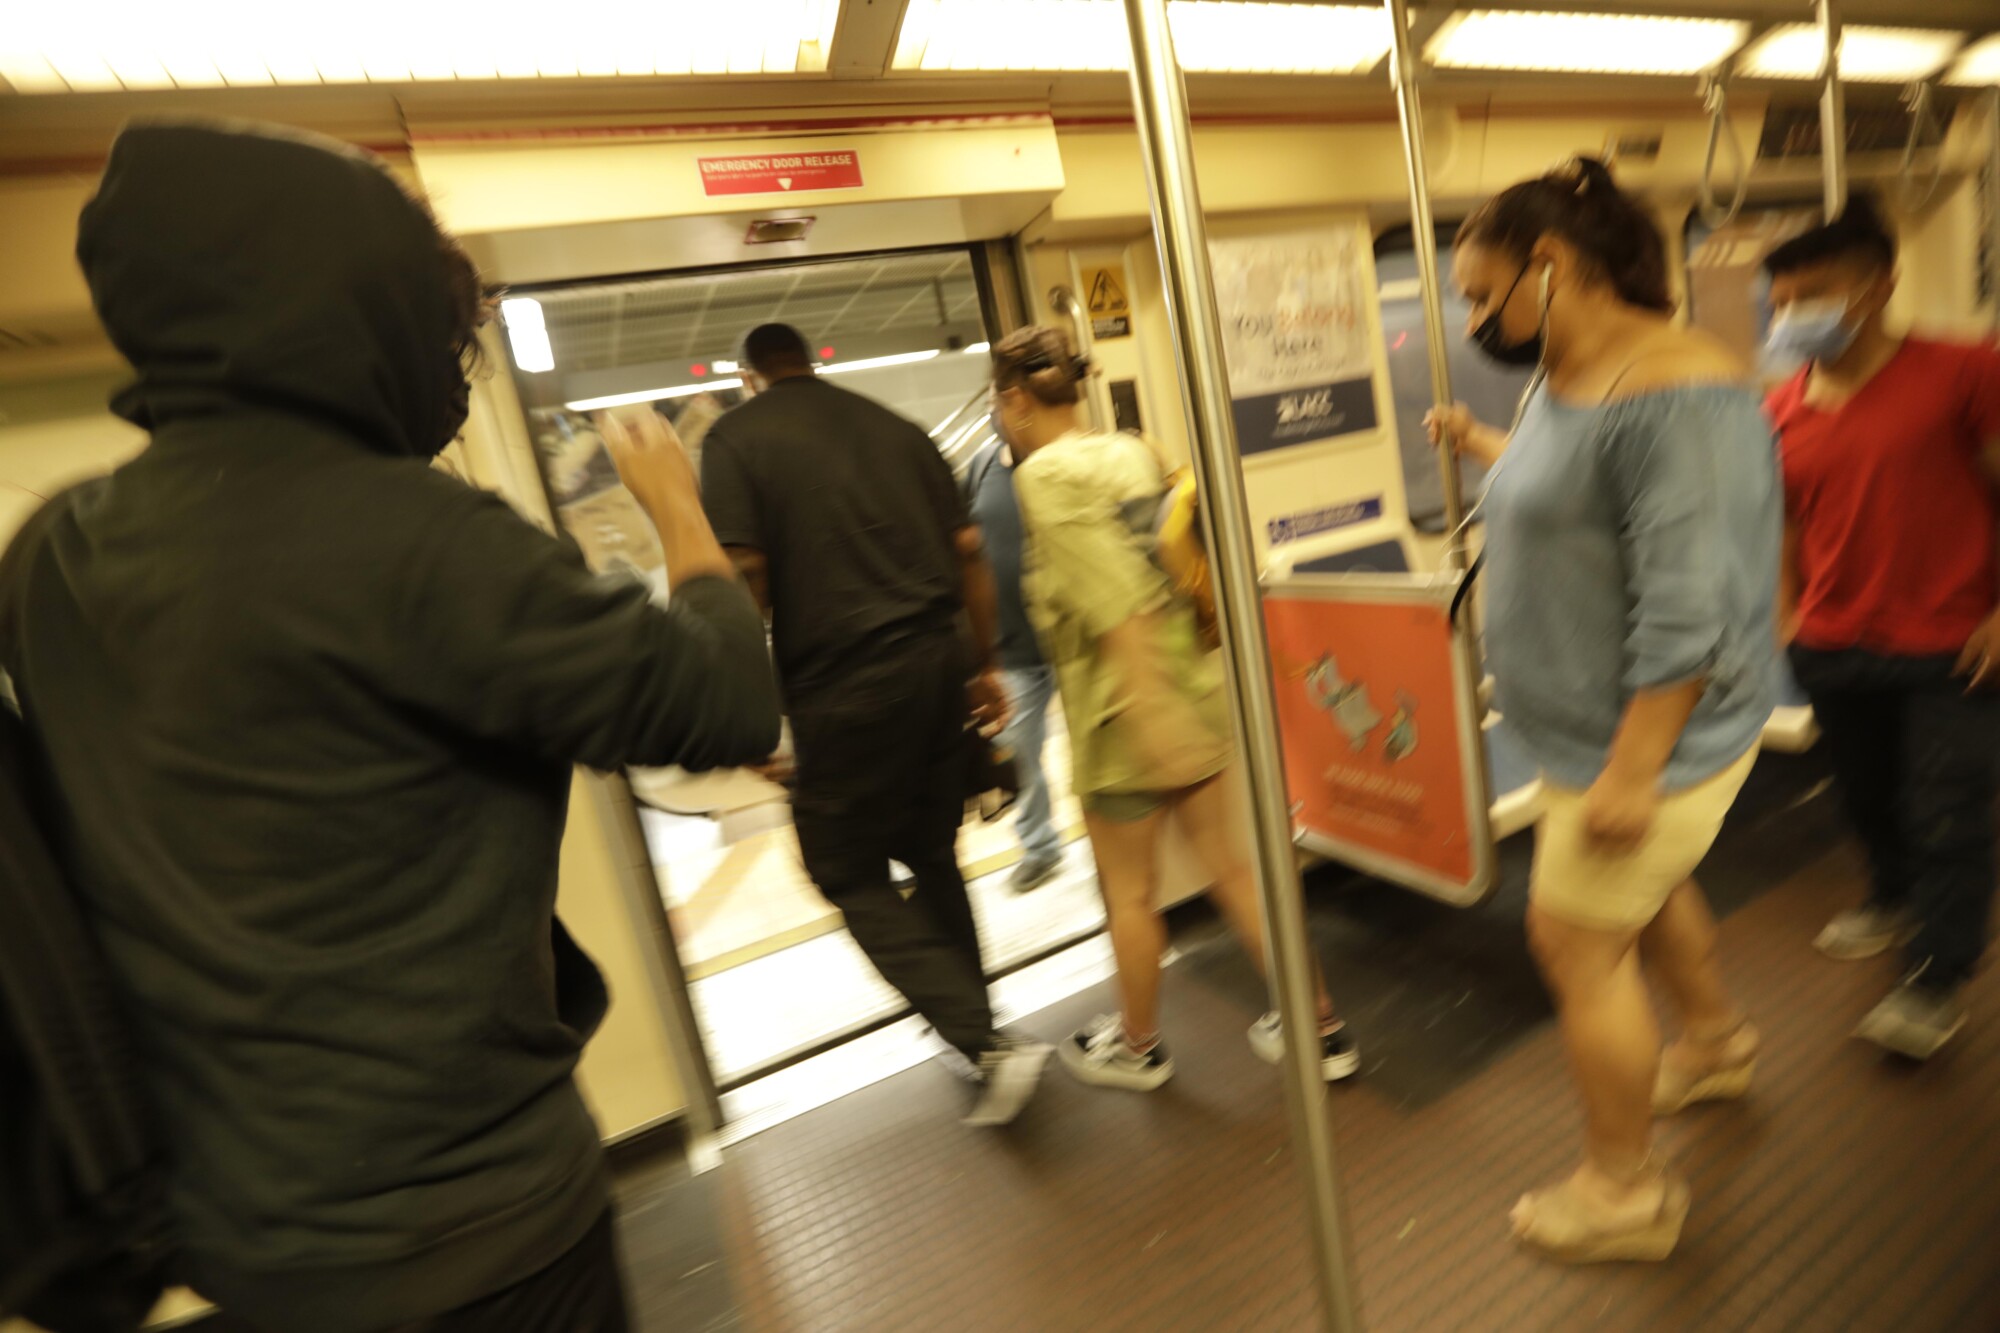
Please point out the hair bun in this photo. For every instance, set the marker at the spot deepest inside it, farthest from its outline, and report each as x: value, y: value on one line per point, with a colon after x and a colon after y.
x: 1592, y: 176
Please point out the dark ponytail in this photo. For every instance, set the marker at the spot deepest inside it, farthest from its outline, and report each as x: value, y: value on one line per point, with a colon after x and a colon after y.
x: 1581, y: 203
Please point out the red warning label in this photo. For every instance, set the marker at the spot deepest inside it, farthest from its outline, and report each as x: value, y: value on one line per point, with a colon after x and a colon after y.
x: 781, y: 173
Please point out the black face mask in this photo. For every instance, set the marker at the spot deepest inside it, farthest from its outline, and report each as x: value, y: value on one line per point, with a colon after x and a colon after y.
x: 1489, y: 339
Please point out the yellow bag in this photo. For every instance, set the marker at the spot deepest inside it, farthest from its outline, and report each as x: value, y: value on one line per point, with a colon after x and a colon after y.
x: 1177, y: 545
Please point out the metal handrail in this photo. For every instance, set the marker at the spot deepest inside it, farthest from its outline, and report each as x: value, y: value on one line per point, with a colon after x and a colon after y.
x: 1920, y: 98
x: 1832, y: 112
x: 1715, y: 97
x: 965, y: 432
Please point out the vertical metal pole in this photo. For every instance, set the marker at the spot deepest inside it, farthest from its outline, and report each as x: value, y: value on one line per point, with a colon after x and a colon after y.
x: 1832, y: 111
x: 1403, y: 75
x: 1166, y: 142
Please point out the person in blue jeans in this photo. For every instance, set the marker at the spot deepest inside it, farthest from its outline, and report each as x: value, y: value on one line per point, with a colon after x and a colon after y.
x: 1030, y: 680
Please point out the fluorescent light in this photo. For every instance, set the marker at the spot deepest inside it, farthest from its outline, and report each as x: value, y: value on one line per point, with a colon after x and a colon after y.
x: 649, y: 395
x: 1867, y: 55
x: 1979, y: 66
x: 526, y: 333
x: 978, y: 348
x: 723, y: 367
x: 1212, y: 36
x: 1584, y: 43
x: 75, y: 45
x: 878, y: 362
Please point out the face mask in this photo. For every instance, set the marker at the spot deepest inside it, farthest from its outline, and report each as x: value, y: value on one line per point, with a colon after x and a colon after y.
x: 1489, y: 339
x: 1810, y: 331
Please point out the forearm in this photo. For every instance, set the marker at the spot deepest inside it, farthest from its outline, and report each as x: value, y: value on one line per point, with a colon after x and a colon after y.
x: 687, y: 540
x: 1485, y: 443
x: 755, y: 571
x: 1651, y: 728
x: 982, y: 607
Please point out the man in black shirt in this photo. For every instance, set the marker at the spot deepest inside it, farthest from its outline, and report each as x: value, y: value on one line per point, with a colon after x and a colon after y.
x: 847, y: 523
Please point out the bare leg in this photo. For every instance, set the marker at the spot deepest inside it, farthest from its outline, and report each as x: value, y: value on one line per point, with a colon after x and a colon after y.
x: 1680, y: 949
x: 1214, y: 829
x: 1127, y: 857
x: 1614, y: 1051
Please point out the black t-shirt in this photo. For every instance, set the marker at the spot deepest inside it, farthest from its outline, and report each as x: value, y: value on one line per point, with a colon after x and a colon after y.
x: 854, y: 510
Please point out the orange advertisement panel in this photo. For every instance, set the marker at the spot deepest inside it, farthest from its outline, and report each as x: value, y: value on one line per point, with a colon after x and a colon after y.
x: 1368, y: 695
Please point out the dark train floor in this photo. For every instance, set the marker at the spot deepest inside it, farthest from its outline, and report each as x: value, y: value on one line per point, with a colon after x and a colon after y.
x: 1848, y: 1194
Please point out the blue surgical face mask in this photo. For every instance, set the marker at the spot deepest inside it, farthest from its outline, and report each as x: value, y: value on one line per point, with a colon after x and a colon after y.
x: 1810, y: 331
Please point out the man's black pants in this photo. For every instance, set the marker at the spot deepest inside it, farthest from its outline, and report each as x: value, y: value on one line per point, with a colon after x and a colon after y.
x: 1915, y: 759
x: 882, y: 760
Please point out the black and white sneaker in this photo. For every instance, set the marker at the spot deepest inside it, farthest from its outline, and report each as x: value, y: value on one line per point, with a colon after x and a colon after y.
x: 1339, y: 1057
x: 1008, y: 1076
x: 1100, y: 1055
x: 1914, y: 1020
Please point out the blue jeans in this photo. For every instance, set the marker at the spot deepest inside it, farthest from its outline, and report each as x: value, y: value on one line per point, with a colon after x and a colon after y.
x: 1030, y: 690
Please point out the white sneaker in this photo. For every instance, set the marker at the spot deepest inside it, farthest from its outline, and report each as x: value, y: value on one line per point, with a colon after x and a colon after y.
x: 1864, y: 932
x: 1099, y: 1054
x: 1339, y: 1057
x: 1008, y: 1077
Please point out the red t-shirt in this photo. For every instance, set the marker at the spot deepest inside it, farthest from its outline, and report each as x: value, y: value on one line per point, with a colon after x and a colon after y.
x: 1895, y: 516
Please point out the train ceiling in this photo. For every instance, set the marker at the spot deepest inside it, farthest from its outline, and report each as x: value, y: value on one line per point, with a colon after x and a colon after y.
x: 384, y: 71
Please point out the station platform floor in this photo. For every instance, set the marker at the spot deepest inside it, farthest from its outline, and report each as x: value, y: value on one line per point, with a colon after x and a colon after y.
x: 1850, y: 1192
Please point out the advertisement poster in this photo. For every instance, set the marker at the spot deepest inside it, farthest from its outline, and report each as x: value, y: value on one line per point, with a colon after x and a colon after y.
x: 1367, y: 707
x: 1295, y: 333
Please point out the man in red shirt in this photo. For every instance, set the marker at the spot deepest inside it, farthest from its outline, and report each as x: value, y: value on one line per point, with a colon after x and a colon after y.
x: 1891, y: 452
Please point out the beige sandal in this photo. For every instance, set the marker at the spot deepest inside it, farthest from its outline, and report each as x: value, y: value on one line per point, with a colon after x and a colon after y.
x: 1728, y: 1079
x: 1560, y: 1228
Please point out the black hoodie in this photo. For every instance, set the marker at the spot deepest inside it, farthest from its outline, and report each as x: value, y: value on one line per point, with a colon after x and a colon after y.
x: 309, y: 708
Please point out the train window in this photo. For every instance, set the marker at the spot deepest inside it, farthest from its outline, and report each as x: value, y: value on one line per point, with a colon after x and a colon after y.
x: 1491, y: 391
x: 1725, y: 280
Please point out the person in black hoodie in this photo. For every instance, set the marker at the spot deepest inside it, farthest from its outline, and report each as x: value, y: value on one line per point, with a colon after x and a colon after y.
x: 309, y: 709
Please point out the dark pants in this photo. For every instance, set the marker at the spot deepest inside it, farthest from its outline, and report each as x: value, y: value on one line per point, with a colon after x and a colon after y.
x: 882, y: 761
x: 1915, y: 759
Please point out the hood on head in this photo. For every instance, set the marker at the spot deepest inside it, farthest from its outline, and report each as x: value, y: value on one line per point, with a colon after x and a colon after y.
x: 238, y: 264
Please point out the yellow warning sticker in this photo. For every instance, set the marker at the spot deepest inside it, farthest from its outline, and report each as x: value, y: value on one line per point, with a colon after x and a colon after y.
x: 1110, y: 309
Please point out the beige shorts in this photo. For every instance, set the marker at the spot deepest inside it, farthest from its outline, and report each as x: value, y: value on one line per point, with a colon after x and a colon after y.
x: 1624, y: 891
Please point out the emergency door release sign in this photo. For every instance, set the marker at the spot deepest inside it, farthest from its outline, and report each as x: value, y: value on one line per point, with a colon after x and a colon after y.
x: 781, y: 173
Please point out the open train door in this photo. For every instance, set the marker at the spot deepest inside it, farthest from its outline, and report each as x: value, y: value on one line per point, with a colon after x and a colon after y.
x: 1380, y: 718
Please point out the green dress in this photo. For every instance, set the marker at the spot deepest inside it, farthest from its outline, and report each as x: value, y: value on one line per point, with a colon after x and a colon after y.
x: 1088, y: 502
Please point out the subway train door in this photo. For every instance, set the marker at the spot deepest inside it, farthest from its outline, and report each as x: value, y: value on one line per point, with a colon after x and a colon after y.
x: 772, y: 976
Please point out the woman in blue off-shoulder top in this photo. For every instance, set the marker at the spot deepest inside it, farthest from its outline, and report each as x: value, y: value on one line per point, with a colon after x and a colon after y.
x: 1633, y: 523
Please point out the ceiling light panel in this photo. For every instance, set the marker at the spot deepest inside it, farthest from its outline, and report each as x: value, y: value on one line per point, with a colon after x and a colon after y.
x: 106, y: 45
x: 1584, y: 43
x: 1211, y: 36
x: 1867, y: 55
x: 1979, y: 67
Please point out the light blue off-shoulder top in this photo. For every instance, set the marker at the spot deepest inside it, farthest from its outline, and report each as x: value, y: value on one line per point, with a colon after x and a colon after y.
x: 1629, y: 546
